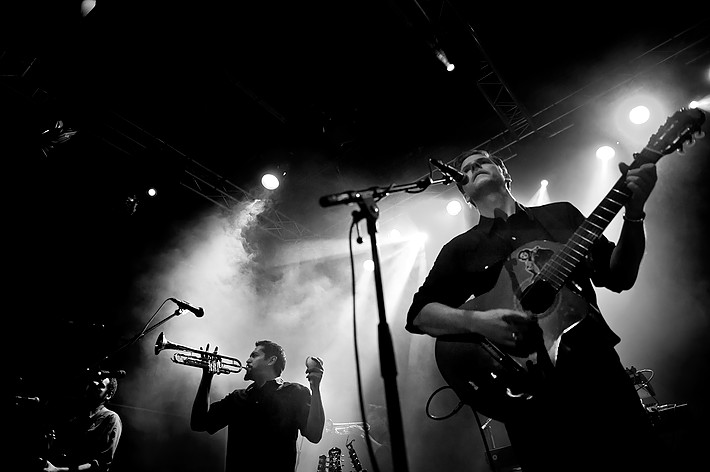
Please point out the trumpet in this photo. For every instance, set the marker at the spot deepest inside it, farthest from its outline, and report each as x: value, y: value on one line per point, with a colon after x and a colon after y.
x: 198, y: 358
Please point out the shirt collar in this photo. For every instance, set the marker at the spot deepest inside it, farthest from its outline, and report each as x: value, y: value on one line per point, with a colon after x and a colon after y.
x: 269, y: 385
x: 486, y: 224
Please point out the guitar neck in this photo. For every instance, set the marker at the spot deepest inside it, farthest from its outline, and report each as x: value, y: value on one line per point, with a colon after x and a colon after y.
x: 561, y: 266
x: 677, y: 130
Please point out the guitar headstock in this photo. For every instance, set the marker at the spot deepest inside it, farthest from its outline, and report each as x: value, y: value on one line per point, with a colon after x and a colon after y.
x: 680, y: 128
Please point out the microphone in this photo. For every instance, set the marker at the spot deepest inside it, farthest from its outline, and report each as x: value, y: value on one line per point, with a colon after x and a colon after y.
x: 197, y: 310
x: 458, y: 177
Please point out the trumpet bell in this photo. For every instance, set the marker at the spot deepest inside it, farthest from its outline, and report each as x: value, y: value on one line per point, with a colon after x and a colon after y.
x: 160, y: 343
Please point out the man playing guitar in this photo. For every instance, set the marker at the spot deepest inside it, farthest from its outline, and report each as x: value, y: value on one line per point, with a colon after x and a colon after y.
x: 573, y: 408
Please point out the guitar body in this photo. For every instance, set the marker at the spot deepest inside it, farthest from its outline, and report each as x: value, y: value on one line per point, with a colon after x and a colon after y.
x: 484, y: 375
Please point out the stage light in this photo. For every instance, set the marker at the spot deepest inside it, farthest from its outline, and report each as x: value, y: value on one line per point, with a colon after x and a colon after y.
x: 152, y: 192
x: 543, y: 183
x: 131, y: 204
x: 605, y: 153
x: 368, y: 265
x: 270, y: 181
x: 453, y: 208
x: 639, y: 115
x: 394, y: 235
x: 444, y: 60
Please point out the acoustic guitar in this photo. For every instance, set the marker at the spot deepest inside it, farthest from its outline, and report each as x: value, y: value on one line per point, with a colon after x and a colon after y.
x: 535, y: 278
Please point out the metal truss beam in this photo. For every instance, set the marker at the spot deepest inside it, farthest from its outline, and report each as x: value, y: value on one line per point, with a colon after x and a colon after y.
x: 129, y: 139
x: 226, y: 194
x: 210, y: 185
x: 684, y: 48
x: 490, y: 83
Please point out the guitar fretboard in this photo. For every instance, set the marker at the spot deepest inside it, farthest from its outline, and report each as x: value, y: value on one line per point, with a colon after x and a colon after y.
x: 558, y: 269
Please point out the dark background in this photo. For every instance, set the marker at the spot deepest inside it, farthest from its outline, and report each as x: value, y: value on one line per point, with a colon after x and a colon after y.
x: 341, y: 95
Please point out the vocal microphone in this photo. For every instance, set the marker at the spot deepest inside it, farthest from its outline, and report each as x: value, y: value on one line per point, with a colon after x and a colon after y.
x: 197, y: 310
x: 458, y: 177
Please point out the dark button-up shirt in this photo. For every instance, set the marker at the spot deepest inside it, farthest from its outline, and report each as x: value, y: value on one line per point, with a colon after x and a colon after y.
x: 263, y: 425
x: 467, y: 265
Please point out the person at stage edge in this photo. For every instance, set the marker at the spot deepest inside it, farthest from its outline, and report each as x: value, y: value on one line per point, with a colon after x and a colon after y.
x: 263, y: 419
x: 585, y: 414
x: 88, y: 441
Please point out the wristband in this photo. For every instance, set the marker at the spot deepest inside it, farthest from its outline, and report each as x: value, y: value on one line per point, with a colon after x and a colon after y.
x: 636, y: 220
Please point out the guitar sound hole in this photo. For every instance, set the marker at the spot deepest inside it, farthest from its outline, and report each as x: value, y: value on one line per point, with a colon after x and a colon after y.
x: 538, y: 297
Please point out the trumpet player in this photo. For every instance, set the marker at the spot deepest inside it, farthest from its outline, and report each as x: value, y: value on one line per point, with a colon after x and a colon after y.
x: 263, y: 419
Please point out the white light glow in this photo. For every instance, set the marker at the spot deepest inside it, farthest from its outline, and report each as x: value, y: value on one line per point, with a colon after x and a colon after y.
x: 444, y: 60
x: 368, y: 265
x: 420, y: 236
x: 453, y: 207
x: 605, y: 153
x: 543, y: 183
x: 152, y: 192
x: 639, y: 115
x: 270, y: 181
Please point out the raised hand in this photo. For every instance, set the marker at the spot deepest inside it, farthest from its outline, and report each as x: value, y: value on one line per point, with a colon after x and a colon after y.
x: 314, y: 369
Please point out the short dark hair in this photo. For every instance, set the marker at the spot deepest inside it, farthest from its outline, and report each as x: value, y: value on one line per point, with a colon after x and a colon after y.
x: 458, y: 160
x: 272, y: 349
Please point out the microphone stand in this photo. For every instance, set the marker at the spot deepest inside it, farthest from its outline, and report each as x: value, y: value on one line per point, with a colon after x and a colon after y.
x: 140, y: 335
x: 366, y: 200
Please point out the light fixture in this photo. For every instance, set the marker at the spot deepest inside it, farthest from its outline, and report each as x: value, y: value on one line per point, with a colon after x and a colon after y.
x: 443, y: 59
x: 639, y: 115
x: 604, y: 153
x: 270, y: 181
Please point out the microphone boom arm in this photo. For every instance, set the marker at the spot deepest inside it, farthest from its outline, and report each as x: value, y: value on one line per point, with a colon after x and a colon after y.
x: 378, y: 193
